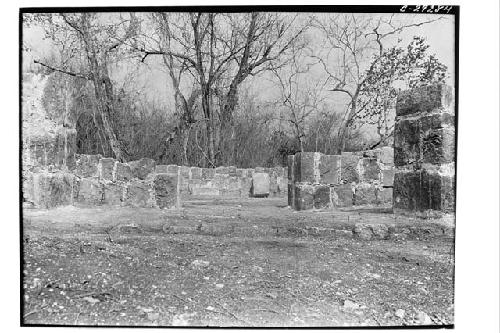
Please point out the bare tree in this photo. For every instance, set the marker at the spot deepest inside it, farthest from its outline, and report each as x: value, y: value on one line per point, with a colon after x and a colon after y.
x: 220, y: 51
x: 92, y: 46
x: 353, y: 48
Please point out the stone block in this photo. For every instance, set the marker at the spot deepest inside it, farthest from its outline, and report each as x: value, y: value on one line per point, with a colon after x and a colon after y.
x: 422, y: 190
x: 321, y: 197
x: 106, y: 166
x: 232, y: 171
x: 113, y: 193
x: 369, y: 169
x: 329, y: 169
x: 291, y: 167
x: 384, y: 196
x: 407, y: 142
x: 142, y: 168
x: 260, y: 184
x: 343, y: 195
x: 282, y: 184
x: 233, y: 187
x: 386, y: 156
x: 425, y: 99
x: 223, y: 170
x: 138, y: 194
x: 163, y: 169
x: 195, y: 173
x: 90, y: 191
x: 207, y: 173
x: 171, y: 168
x: 365, y: 194
x: 303, y: 196
x: 349, y: 168
x: 185, y: 172
x: 438, y: 146
x: 86, y: 165
x: 165, y: 190
x: 250, y: 172
x: 246, y: 186
x: 291, y: 195
x: 49, y: 190
x: 221, y: 181
x: 388, y: 177
x: 122, y: 172
x: 273, y: 185
x: 241, y: 172
x: 305, y: 167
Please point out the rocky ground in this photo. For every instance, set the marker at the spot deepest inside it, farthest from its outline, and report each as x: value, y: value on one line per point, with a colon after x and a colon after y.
x: 235, y: 262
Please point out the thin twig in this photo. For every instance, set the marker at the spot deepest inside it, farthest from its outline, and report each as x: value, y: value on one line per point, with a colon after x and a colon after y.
x: 35, y: 311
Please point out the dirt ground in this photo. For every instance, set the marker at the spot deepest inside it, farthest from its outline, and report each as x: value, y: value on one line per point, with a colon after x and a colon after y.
x: 233, y: 262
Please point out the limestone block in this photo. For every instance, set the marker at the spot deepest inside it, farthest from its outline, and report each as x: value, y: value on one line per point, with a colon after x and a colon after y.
x: 384, y: 195
x: 422, y: 190
x: 369, y: 169
x: 246, y: 185
x: 113, y: 193
x: 250, y: 172
x: 138, y: 194
x: 329, y: 169
x: 321, y: 196
x: 291, y: 167
x: 122, y: 172
x: 165, y: 190
x: 90, y: 191
x: 282, y: 184
x: 365, y: 194
x: 388, y: 177
x: 48, y: 190
x: 305, y: 167
x: 208, y: 173
x: 172, y: 169
x: 142, y: 168
x: 260, y: 184
x: 233, y: 187
x: 195, y: 173
x: 438, y: 139
x: 86, y: 165
x: 343, y: 195
x: 223, y: 170
x: 163, y: 169
x: 291, y: 195
x: 304, y: 196
x: 386, y: 156
x: 273, y: 185
x: 106, y: 166
x: 407, y: 142
x: 241, y: 172
x: 204, y: 187
x: 425, y: 99
x: 349, y: 168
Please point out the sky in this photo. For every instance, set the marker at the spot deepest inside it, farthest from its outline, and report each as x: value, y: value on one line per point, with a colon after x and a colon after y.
x: 153, y: 83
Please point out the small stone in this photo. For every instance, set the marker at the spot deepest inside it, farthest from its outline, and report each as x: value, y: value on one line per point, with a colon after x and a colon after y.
x: 423, y: 318
x: 400, y: 313
x: 350, y: 305
x: 200, y: 263
x: 210, y: 308
x: 219, y: 286
x: 153, y: 316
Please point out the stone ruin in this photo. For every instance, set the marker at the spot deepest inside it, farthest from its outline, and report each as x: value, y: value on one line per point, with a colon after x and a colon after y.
x: 54, y: 175
x: 417, y: 177
x: 350, y: 179
x: 424, y: 152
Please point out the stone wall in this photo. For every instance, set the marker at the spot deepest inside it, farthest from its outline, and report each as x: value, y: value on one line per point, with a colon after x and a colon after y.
x: 320, y: 181
x: 424, y: 151
x: 97, y: 180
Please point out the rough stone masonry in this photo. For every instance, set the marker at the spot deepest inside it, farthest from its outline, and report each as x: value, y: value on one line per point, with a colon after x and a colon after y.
x: 322, y: 181
x: 424, y: 152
